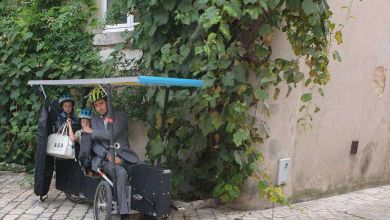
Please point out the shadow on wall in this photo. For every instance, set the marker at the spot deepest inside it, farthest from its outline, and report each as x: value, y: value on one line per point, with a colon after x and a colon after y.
x: 138, y: 137
x: 367, y: 157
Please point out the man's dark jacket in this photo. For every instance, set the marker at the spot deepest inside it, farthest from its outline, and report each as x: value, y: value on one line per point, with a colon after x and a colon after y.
x: 101, y: 138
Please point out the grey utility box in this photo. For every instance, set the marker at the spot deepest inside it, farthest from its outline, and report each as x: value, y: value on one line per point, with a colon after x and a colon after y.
x: 284, y: 165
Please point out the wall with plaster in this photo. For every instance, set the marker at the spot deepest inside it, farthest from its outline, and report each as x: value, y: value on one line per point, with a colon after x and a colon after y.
x: 356, y: 107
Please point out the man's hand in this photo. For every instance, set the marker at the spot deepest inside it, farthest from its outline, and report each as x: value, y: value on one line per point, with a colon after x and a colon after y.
x: 69, y: 121
x: 87, y: 130
x: 118, y: 161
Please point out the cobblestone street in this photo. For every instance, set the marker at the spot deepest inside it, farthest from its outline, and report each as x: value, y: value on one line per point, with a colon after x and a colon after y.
x: 18, y: 202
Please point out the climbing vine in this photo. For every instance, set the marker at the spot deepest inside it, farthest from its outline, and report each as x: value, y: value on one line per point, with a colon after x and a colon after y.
x: 211, y: 138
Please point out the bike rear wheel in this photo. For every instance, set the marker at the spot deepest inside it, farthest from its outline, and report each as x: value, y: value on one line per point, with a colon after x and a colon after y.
x: 73, y: 197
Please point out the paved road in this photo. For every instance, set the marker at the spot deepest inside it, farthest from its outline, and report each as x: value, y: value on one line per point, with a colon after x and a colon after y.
x: 18, y: 202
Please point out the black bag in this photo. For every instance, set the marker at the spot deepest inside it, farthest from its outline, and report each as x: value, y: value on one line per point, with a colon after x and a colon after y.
x: 44, y: 164
x: 150, y: 189
x: 85, y: 150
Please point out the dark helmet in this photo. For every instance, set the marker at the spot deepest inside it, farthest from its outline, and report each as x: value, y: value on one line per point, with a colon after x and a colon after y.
x: 85, y: 113
x: 66, y: 98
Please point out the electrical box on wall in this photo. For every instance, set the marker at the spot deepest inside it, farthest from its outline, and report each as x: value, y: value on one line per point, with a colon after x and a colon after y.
x: 284, y: 165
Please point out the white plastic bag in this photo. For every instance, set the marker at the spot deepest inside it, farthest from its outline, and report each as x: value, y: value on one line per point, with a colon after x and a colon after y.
x: 59, y: 144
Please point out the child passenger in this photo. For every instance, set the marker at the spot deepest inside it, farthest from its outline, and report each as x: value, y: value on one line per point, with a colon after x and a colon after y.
x: 67, y: 104
x: 83, y: 138
x: 85, y: 117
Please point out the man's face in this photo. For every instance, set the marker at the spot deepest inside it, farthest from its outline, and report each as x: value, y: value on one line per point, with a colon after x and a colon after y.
x: 100, y: 106
x: 67, y: 107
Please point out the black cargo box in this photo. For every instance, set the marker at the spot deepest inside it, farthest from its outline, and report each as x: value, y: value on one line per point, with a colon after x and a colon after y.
x: 151, y: 190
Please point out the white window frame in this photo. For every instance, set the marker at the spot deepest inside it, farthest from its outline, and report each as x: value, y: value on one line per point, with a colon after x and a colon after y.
x: 129, y: 26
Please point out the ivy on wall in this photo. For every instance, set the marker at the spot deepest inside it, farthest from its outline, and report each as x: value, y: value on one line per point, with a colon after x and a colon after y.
x: 211, y: 138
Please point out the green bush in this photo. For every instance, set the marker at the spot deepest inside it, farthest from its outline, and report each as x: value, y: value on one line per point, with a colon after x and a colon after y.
x: 39, y: 41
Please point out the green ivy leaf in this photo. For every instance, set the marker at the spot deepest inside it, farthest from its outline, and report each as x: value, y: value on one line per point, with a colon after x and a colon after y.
x: 210, y: 17
x: 32, y: 62
x: 317, y: 31
x: 339, y: 37
x: 15, y: 94
x: 233, y: 191
x: 219, y: 2
x: 224, y: 28
x: 253, y: 13
x: 26, y: 69
x: 169, y: 4
x: 298, y: 77
x: 40, y: 46
x: 265, y: 29
x: 216, y: 120
x: 263, y: 185
x: 264, y: 4
x: 273, y: 3
x: 336, y: 56
x: 211, y: 37
x: 317, y: 109
x: 261, y: 94
x: 237, y: 179
x: 249, y: 1
x: 184, y: 50
x: 209, y: 79
x: 293, y: 5
x: 152, y: 30
x: 306, y: 97
x: 131, y: 3
x: 240, y: 136
x: 331, y: 25
x: 16, y: 60
x: 309, y: 7
x: 261, y: 51
x: 155, y: 147
x: 225, y: 155
x: 199, y: 141
x: 321, y: 91
x: 27, y: 35
x: 232, y: 10
x: 161, y: 16
x: 228, y: 79
x: 185, y: 6
x: 198, y: 50
x: 40, y: 73
x: 202, y: 2
x: 239, y: 73
x: 160, y: 98
x: 230, y: 126
x: 205, y: 125
x: 237, y: 158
